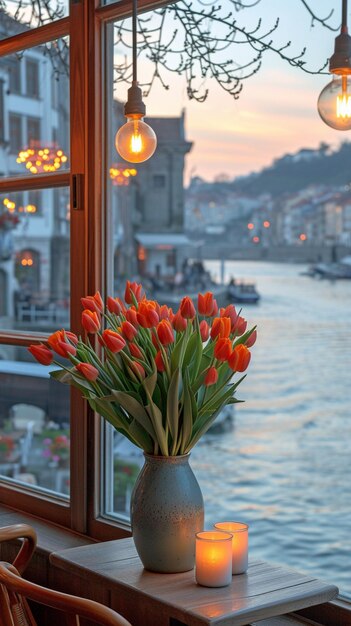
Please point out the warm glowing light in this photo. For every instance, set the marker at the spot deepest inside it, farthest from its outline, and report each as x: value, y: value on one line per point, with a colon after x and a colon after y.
x: 11, y: 206
x: 38, y: 159
x: 141, y: 253
x: 303, y: 237
x: 266, y: 224
x: 120, y: 174
x: 256, y: 239
x: 135, y: 141
x: 251, y: 226
x: 27, y: 260
x: 334, y: 103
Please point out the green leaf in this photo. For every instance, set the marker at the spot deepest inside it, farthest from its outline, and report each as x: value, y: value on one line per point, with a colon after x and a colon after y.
x: 144, y: 440
x: 187, y: 414
x: 136, y: 410
x: 156, y: 418
x: 149, y: 383
x: 173, y: 404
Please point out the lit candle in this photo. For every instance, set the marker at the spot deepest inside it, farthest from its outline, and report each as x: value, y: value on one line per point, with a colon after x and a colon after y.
x: 213, y: 558
x: 240, y: 544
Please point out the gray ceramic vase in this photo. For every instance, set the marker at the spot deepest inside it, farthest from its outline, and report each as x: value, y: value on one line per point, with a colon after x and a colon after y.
x: 167, y: 510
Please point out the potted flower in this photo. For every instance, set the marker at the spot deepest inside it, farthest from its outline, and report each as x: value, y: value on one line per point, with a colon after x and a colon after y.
x: 160, y: 378
x: 56, y: 450
x: 7, y: 445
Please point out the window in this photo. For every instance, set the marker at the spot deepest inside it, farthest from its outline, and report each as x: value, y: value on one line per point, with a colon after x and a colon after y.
x: 32, y: 78
x: 33, y: 130
x: 2, y: 120
x: 85, y: 232
x: 15, y: 76
x: 15, y: 133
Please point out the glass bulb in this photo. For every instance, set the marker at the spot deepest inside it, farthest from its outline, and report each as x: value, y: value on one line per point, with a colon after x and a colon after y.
x: 136, y: 141
x: 334, y: 103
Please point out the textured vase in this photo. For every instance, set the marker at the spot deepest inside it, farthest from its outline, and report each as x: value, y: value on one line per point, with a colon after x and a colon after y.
x: 167, y: 510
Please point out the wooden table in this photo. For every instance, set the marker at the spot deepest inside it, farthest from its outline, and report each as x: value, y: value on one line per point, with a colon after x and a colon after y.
x: 112, y: 573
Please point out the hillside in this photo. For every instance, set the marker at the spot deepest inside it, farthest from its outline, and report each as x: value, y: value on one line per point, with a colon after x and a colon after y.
x: 293, y: 172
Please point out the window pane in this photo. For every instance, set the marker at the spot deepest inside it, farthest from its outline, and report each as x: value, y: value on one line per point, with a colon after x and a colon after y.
x: 17, y: 15
x: 34, y: 423
x: 34, y: 110
x: 34, y: 259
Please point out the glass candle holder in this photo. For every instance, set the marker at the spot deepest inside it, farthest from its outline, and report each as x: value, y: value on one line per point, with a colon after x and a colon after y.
x: 240, y: 544
x: 213, y: 558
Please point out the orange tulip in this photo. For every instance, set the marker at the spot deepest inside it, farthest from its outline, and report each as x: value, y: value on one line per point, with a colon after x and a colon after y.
x: 93, y: 303
x: 239, y: 358
x: 88, y: 371
x: 222, y: 349
x: 147, y: 315
x: 230, y: 312
x: 41, y: 353
x: 165, y: 332
x: 187, y: 308
x: 131, y: 316
x: 165, y: 313
x: 133, y: 288
x: 179, y: 323
x: 90, y: 321
x: 113, y: 341
x: 221, y: 327
x: 58, y: 342
x: 205, y: 303
x: 211, y: 377
x: 128, y: 331
x: 204, y: 330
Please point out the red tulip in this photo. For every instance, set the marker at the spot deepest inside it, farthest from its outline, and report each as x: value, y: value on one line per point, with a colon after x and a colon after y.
x: 179, y: 323
x: 239, y: 326
x: 88, y: 371
x: 131, y: 316
x: 205, y: 303
x: 211, y: 377
x: 138, y: 369
x: 128, y: 331
x: 239, y: 358
x: 147, y: 315
x: 133, y: 288
x: 165, y: 313
x: 251, y: 340
x: 135, y: 351
x: 41, y: 353
x: 230, y: 312
x: 90, y: 321
x: 204, y: 330
x: 187, y: 308
x: 159, y: 362
x: 93, y: 303
x: 113, y: 341
x: 215, y: 308
x: 165, y: 332
x: 115, y: 305
x: 72, y: 337
x: 221, y: 327
x: 222, y: 349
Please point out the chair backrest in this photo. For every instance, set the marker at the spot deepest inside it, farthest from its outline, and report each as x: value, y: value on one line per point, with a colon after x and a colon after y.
x: 14, y: 590
x: 14, y: 609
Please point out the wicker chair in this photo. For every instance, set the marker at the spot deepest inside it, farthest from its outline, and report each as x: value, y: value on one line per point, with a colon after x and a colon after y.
x: 15, y: 590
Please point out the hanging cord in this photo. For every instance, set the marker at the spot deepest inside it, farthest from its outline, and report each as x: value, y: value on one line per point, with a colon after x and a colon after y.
x: 134, y: 28
x: 344, y: 28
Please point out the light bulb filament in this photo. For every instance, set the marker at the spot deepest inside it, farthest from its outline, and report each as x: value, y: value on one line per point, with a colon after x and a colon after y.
x: 343, y: 105
x: 136, y: 143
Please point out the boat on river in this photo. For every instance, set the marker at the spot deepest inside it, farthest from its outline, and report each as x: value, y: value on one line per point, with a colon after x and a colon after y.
x: 340, y: 270
x: 242, y: 292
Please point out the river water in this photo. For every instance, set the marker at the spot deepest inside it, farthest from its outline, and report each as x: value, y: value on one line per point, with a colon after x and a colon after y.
x: 285, y: 467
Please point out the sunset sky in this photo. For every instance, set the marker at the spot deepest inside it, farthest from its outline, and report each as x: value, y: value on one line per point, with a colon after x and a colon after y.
x: 276, y: 112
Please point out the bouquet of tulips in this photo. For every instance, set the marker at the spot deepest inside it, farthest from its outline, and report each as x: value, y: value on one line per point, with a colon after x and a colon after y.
x: 160, y: 378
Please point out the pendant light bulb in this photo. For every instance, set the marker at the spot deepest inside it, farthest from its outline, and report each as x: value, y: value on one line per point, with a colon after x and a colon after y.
x: 334, y: 102
x: 135, y: 141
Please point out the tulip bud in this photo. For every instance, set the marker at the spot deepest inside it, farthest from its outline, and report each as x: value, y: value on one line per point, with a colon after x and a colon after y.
x: 41, y: 353
x: 239, y: 358
x: 113, y: 340
x: 159, y: 362
x: 221, y: 327
x: 135, y: 351
x: 138, y: 369
x: 187, y: 308
x: 204, y: 330
x: 90, y: 321
x: 133, y: 288
x: 211, y: 377
x: 88, y: 371
x: 251, y: 340
x: 239, y: 326
x: 131, y: 316
x: 222, y: 349
x: 205, y: 303
x: 179, y: 323
x: 128, y: 331
x: 114, y: 305
x: 165, y: 332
